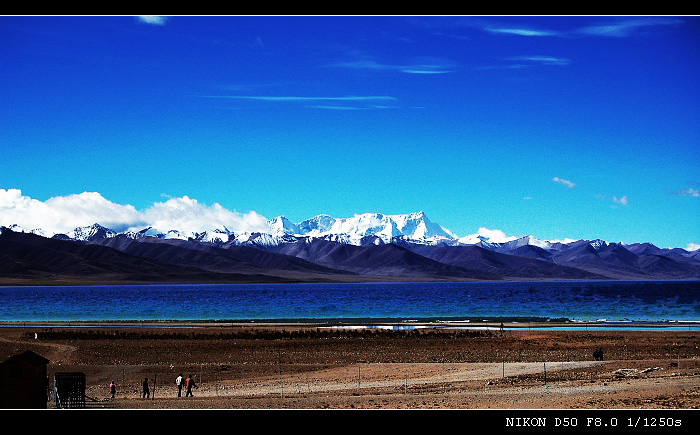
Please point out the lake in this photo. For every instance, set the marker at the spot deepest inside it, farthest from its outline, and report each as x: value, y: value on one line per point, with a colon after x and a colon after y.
x: 645, y: 301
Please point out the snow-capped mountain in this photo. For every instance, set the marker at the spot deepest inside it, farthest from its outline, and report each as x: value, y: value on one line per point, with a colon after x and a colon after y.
x: 94, y: 231
x: 218, y: 235
x: 262, y: 239
x: 316, y: 225
x: 369, y: 244
x: 598, y: 244
x: 527, y: 240
x: 146, y: 232
x: 18, y: 229
x: 414, y: 226
x: 281, y: 225
x: 359, y: 230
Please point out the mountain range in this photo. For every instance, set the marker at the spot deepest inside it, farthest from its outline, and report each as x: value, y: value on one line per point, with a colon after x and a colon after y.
x: 366, y: 247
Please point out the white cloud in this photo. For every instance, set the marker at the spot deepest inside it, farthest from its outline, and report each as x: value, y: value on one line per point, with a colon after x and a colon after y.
x: 157, y: 20
x: 692, y: 247
x: 62, y: 214
x: 564, y: 241
x: 689, y: 191
x: 622, y: 200
x: 187, y: 214
x: 496, y: 236
x: 563, y: 182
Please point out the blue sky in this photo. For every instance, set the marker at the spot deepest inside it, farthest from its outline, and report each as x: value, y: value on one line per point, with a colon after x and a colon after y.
x: 556, y: 127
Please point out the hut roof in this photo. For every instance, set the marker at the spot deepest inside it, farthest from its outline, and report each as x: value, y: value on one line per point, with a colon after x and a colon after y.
x: 29, y: 357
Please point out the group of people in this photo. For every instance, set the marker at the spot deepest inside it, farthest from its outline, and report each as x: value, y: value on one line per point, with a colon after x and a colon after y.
x: 187, y: 383
x: 180, y: 381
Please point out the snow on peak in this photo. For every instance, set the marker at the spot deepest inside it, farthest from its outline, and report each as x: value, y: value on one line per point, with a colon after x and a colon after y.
x: 418, y: 226
x: 146, y: 232
x: 281, y: 225
x: 357, y: 230
x: 18, y: 229
x: 316, y: 225
x: 598, y: 244
x: 262, y: 239
x: 352, y: 230
x: 528, y: 240
x: 175, y: 234
x: 414, y: 226
x: 217, y: 236
x: 94, y: 231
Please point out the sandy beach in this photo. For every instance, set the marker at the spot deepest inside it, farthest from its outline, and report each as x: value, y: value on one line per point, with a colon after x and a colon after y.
x: 312, y: 366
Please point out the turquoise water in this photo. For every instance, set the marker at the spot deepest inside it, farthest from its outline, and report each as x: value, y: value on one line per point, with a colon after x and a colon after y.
x: 649, y: 301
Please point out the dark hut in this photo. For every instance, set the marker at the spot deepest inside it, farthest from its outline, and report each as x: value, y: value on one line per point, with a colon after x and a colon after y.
x: 24, y: 382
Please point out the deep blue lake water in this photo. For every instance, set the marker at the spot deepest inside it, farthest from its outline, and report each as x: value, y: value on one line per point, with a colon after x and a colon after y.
x: 649, y: 301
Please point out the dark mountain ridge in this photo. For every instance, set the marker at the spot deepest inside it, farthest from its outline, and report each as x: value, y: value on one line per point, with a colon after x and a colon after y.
x: 104, y: 256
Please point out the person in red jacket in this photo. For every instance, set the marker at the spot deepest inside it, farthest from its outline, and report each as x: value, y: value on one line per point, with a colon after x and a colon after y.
x: 189, y: 384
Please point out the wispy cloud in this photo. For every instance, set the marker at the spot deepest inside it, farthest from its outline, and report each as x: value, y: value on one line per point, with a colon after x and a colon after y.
x: 620, y: 27
x: 688, y: 191
x: 544, y: 60
x: 520, y: 31
x: 414, y: 70
x: 692, y: 247
x: 299, y: 98
x: 519, y: 62
x: 622, y: 200
x: 627, y: 27
x: 563, y: 182
x: 366, y: 102
x: 326, y: 107
x: 419, y: 66
x: 157, y: 20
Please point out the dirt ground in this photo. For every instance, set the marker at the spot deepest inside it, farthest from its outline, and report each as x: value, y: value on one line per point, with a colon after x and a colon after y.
x: 303, y: 366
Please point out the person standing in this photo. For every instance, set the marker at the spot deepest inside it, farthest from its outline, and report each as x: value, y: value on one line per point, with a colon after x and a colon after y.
x: 189, y: 383
x: 112, y: 389
x: 146, y: 391
x: 179, y: 381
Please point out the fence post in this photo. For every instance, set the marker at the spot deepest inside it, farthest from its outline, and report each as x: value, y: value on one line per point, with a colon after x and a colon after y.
x: 545, y: 374
x: 444, y: 389
x: 279, y: 365
x: 405, y: 378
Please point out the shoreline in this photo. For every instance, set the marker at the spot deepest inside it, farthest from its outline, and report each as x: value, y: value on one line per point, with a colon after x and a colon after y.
x: 370, y: 324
